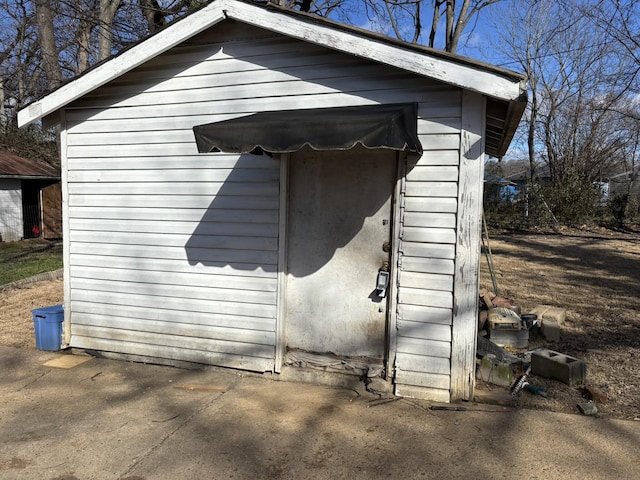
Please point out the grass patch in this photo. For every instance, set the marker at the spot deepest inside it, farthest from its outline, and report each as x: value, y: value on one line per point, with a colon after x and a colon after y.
x: 20, y: 260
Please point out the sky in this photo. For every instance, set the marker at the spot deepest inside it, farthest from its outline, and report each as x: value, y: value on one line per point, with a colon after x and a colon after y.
x: 476, y: 41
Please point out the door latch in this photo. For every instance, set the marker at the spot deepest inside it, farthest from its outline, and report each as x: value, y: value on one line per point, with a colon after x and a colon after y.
x: 382, y: 283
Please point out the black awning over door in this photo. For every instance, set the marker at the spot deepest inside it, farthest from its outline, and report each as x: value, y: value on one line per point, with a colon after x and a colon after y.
x: 391, y: 126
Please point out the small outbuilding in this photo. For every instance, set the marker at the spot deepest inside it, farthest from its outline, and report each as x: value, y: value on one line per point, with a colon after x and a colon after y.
x: 255, y: 187
x: 25, y: 204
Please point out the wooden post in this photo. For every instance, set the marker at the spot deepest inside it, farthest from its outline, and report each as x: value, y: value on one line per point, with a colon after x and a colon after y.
x: 467, y: 260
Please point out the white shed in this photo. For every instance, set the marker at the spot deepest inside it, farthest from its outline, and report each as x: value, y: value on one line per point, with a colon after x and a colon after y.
x: 337, y: 159
x: 22, y: 183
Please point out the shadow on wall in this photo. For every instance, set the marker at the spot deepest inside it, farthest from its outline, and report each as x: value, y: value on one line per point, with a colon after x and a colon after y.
x: 328, y: 202
x: 240, y: 226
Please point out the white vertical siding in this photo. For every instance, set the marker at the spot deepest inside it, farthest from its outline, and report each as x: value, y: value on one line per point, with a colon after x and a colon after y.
x: 175, y: 254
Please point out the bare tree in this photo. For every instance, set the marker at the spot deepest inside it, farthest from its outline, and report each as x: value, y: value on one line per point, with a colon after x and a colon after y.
x: 523, y: 38
x: 404, y: 18
x: 577, y: 81
x: 457, y: 17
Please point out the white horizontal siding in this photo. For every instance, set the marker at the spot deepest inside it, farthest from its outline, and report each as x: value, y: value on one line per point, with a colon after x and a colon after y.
x: 419, y: 313
x: 150, y: 215
x: 433, y: 394
x: 176, y: 162
x: 423, y: 379
x: 181, y: 339
x: 192, y: 176
x: 154, y: 227
x: 170, y: 201
x: 223, y: 304
x: 96, y: 258
x: 229, y: 280
x: 239, y: 337
x: 265, y: 260
x: 427, y: 252
x: 421, y: 363
x: 428, y: 298
x: 246, y: 361
x: 426, y: 331
x: 172, y: 254
x: 168, y: 292
x: 419, y: 280
x: 88, y: 312
x: 427, y: 348
x: 177, y: 188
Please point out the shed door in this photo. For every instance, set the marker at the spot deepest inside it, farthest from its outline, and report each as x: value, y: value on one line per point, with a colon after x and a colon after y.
x: 339, y: 219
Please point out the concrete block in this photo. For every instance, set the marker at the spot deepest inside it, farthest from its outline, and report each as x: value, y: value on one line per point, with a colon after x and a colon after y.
x: 551, y: 329
x: 558, y: 366
x: 588, y: 408
x: 549, y: 313
x: 550, y: 320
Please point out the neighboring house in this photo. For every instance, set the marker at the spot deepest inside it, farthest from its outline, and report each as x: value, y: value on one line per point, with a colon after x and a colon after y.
x: 521, y: 178
x: 21, y: 183
x: 371, y: 170
x: 498, y: 189
x: 626, y: 183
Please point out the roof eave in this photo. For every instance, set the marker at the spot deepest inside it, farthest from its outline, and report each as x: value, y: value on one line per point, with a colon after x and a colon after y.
x: 491, y: 82
x: 502, y: 120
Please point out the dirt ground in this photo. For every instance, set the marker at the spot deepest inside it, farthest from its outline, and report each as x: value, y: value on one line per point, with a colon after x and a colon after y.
x: 594, y: 276
x: 15, y: 311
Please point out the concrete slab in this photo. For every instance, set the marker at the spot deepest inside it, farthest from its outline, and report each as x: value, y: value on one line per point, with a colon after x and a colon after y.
x: 115, y: 420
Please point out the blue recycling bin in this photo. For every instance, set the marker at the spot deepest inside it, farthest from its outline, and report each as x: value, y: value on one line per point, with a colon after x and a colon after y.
x: 48, y: 325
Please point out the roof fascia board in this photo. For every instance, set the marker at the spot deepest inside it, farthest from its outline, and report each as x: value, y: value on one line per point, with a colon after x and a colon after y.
x: 28, y: 177
x: 173, y: 35
x: 468, y: 77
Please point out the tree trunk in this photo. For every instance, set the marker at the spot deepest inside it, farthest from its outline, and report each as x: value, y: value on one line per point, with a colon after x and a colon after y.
x: 450, y: 15
x: 434, y: 22
x: 108, y: 9
x: 531, y: 134
x: 84, y: 46
x: 49, y: 51
x: 2, y: 111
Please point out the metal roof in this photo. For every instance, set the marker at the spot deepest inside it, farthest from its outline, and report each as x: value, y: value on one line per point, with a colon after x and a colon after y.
x: 13, y: 166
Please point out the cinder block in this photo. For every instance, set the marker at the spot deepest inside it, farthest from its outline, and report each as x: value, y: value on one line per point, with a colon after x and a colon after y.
x: 551, y: 320
x: 551, y: 330
x: 558, y: 366
x: 549, y: 313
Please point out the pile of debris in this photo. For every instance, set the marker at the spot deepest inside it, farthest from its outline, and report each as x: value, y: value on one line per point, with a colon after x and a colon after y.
x: 502, y: 320
x: 503, y: 359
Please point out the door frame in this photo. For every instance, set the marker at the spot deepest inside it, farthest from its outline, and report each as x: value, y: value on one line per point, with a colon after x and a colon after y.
x: 397, y: 205
x: 281, y: 297
x: 397, y: 210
